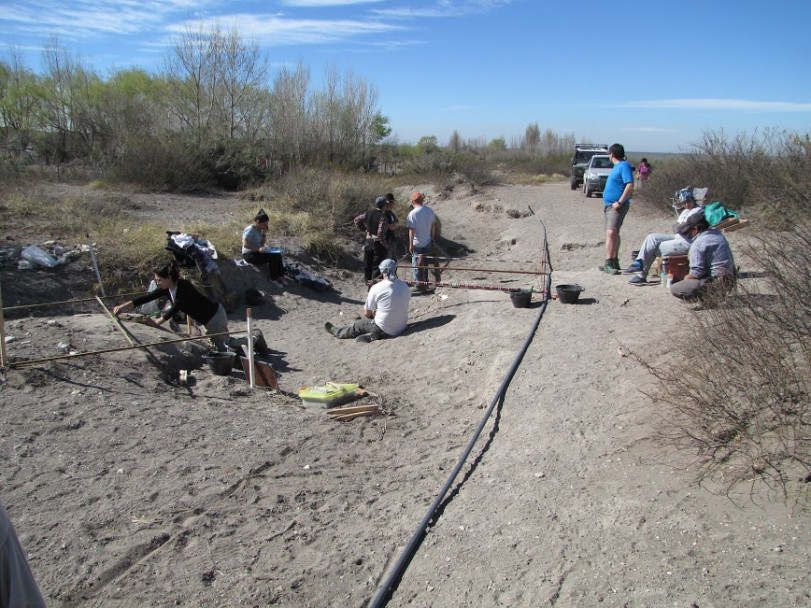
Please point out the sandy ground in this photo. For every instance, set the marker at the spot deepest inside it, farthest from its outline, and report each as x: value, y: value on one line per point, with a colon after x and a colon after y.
x: 127, y: 490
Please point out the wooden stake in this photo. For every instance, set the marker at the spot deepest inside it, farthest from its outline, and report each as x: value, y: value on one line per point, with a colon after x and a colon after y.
x: 115, y: 350
x: 356, y: 415
x: 117, y: 322
x: 251, y: 369
x: 95, y: 264
x: 340, y: 411
x: 2, y: 333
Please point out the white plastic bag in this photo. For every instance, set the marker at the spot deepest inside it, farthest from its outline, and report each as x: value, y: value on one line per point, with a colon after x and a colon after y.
x: 38, y: 256
x: 150, y: 308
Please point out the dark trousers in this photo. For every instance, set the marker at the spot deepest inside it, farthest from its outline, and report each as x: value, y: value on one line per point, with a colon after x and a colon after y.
x: 360, y: 327
x: 273, y: 260
x: 373, y: 254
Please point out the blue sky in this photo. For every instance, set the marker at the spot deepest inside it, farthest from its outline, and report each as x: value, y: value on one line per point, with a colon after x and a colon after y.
x: 651, y: 75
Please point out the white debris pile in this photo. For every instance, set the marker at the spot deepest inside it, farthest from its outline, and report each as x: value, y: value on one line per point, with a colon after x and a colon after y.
x: 51, y: 255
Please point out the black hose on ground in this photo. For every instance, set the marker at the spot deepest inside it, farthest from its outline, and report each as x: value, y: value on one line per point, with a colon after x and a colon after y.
x: 395, y: 575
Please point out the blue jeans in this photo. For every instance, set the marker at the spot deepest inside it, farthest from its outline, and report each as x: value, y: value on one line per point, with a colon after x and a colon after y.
x: 417, y: 259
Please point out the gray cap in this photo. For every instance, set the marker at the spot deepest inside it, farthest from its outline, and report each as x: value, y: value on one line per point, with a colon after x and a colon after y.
x: 381, y: 201
x: 696, y: 219
x: 388, y: 268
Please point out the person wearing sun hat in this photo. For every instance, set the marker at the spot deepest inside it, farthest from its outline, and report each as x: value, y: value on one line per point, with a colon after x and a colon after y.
x: 663, y: 244
x: 385, y: 312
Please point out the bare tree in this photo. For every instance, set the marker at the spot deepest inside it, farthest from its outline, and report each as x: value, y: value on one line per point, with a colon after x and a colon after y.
x: 455, y: 142
x: 532, y: 139
x: 288, y: 125
x: 192, y: 75
x: 243, y: 74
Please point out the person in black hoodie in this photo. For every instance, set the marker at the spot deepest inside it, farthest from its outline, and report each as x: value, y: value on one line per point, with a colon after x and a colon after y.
x: 184, y: 298
x: 375, y: 248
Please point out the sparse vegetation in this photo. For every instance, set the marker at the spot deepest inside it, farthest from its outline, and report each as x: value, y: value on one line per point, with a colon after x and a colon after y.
x: 766, y: 174
x: 739, y: 392
x: 309, y: 159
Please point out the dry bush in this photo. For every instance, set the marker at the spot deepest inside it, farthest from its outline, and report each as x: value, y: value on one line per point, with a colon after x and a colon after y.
x: 331, y: 198
x: 739, y: 393
x: 128, y: 251
x: 475, y: 172
x: 162, y: 164
x: 318, y: 206
x: 765, y: 175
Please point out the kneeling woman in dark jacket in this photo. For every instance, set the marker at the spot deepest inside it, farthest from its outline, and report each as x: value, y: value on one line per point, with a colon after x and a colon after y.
x: 184, y: 298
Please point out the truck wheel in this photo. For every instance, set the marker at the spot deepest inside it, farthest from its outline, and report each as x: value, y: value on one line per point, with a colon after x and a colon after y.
x: 574, y: 183
x: 587, y: 190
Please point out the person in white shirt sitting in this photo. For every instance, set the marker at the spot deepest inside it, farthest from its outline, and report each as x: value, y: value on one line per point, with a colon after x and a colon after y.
x: 385, y: 313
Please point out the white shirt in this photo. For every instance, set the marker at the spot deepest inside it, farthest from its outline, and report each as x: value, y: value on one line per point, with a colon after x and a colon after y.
x: 420, y: 219
x: 389, y: 300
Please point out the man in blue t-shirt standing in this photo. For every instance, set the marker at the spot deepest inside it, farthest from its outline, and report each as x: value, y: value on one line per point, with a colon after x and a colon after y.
x: 616, y: 202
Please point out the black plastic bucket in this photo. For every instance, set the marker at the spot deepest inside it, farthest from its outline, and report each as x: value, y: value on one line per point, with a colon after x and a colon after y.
x: 568, y: 294
x: 521, y: 299
x: 220, y: 364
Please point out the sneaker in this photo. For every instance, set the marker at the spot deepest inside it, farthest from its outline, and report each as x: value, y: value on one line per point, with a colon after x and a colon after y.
x: 634, y: 268
x: 608, y: 268
x: 330, y: 328
x: 365, y: 338
x: 638, y: 279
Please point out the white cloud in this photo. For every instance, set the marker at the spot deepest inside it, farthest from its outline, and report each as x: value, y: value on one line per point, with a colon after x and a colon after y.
x: 446, y: 8
x: 276, y: 31
x: 722, y: 104
x: 322, y: 3
x: 89, y: 18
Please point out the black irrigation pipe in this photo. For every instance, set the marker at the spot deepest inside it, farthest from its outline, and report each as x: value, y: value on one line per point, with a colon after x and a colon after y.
x: 395, y: 575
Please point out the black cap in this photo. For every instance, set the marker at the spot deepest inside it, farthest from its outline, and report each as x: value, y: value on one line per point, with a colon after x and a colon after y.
x: 696, y: 219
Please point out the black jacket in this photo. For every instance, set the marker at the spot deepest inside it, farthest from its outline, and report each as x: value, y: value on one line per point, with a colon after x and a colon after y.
x: 187, y: 299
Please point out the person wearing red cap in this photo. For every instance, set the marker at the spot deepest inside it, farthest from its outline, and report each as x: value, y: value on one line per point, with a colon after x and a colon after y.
x: 421, y: 223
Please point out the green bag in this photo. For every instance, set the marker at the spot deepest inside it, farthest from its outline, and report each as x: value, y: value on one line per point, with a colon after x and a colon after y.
x: 716, y: 212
